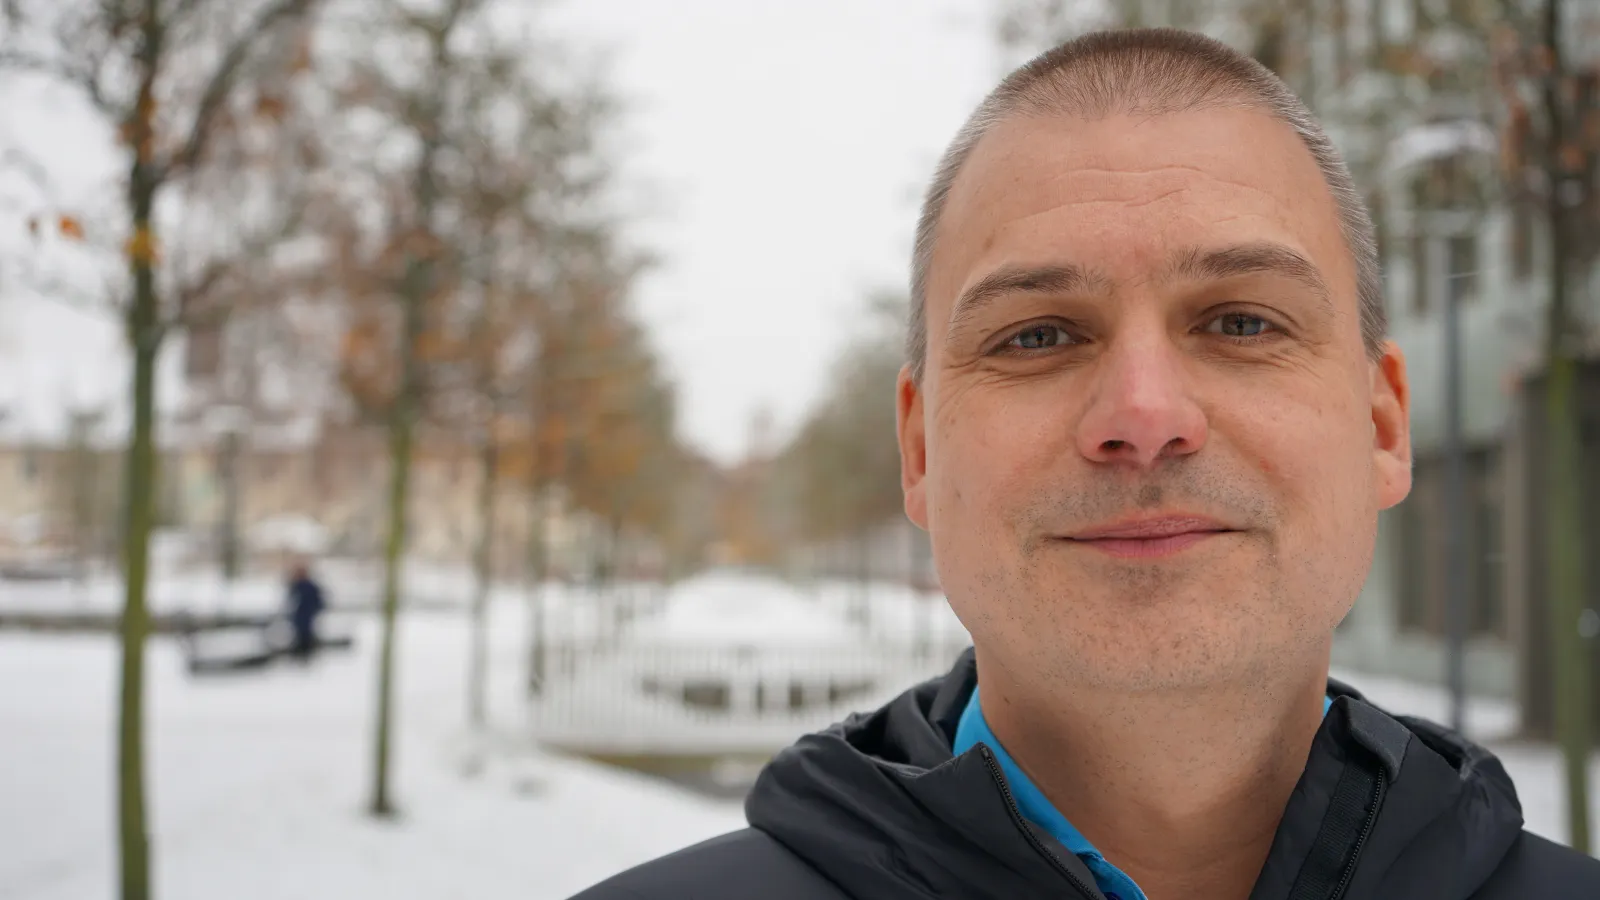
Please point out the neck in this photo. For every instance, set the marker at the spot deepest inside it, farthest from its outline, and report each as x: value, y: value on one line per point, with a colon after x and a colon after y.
x: 1182, y: 790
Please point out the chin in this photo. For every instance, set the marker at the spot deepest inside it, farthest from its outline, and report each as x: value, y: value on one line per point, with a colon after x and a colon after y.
x: 1152, y: 636
x: 1169, y: 667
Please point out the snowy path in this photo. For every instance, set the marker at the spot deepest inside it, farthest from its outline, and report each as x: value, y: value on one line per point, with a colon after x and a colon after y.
x: 258, y: 782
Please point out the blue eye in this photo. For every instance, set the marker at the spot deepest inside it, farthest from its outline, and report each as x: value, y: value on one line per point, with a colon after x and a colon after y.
x: 1039, y: 337
x: 1240, y: 325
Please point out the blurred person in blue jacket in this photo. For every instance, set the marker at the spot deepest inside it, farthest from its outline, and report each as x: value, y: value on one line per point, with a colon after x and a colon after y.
x: 306, y: 603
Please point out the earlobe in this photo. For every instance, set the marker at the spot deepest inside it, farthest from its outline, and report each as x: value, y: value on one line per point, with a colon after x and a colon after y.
x: 912, y: 434
x: 1391, y: 426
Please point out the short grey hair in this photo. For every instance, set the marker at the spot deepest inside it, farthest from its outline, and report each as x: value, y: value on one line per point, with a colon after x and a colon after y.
x: 1146, y: 71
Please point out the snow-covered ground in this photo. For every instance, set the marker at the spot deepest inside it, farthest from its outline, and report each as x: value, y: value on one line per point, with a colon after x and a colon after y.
x: 258, y: 780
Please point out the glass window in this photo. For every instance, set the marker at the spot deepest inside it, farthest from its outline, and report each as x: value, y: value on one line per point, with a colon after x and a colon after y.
x: 1421, y: 552
x: 1416, y: 572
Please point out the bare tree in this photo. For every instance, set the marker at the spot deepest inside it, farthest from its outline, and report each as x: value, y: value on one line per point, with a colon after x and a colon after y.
x: 438, y: 263
x: 528, y: 159
x: 419, y: 107
x: 168, y: 76
x: 1552, y: 152
x: 840, y: 475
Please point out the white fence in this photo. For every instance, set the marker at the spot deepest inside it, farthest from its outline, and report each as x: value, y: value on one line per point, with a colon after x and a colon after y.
x: 690, y: 700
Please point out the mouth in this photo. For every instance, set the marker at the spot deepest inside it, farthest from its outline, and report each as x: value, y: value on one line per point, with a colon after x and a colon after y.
x: 1150, y: 538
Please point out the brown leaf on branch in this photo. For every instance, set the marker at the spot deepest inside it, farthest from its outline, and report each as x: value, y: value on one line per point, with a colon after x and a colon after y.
x: 1572, y: 158
x: 127, y: 131
x: 1402, y: 59
x: 270, y: 107
x: 366, y: 363
x: 1514, y: 137
x: 301, y: 60
x: 1544, y: 59
x: 435, y: 347
x: 141, y: 247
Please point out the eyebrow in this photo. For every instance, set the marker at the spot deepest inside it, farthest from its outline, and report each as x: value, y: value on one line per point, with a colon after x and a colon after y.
x: 1261, y: 258
x: 1194, y: 263
x: 1056, y: 279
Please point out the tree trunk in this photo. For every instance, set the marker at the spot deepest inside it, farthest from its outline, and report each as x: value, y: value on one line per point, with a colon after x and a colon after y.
x: 618, y: 593
x: 229, y: 537
x: 478, y: 677
x: 1564, y: 446
x: 139, y: 486
x: 84, y: 489
x: 537, y: 558
x: 401, y: 428
x: 416, y: 288
x: 537, y: 564
x: 863, y: 555
x: 1570, y: 656
x: 138, y: 511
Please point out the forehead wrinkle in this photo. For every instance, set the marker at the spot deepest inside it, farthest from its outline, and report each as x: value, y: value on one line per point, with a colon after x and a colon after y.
x: 1002, y: 159
x: 998, y: 222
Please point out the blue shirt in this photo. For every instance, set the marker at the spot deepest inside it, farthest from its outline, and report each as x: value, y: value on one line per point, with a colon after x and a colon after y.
x: 1112, y: 881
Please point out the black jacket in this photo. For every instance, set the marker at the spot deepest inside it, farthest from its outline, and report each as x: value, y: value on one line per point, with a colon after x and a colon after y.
x: 876, y: 808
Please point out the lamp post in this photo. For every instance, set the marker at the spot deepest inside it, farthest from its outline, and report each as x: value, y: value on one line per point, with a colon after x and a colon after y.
x: 1444, y: 289
x: 1454, y: 158
x: 228, y: 423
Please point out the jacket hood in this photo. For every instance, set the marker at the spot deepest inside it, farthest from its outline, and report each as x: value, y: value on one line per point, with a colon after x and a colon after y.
x: 1387, y: 806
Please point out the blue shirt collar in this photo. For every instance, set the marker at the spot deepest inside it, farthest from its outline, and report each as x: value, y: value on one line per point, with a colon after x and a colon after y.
x: 974, y: 729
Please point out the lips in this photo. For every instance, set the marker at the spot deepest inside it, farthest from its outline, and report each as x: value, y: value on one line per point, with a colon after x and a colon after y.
x: 1150, y: 537
x: 1160, y: 527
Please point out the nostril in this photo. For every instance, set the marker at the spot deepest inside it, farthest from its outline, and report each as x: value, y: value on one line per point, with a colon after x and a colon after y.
x: 1114, y: 445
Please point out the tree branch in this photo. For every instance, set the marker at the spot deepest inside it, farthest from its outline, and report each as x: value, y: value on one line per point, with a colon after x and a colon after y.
x: 86, y: 79
x: 184, y: 9
x: 190, y: 313
x: 13, y: 159
x: 221, y: 83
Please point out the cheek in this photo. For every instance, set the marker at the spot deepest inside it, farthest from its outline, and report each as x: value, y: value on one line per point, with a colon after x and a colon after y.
x: 991, y: 449
x: 1314, y: 451
x: 987, y: 457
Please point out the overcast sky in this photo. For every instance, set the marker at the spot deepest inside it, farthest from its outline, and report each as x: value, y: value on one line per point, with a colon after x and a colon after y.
x: 788, y: 141
x: 784, y: 145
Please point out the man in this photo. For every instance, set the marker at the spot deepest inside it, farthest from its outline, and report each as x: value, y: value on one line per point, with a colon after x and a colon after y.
x: 306, y: 603
x: 1149, y: 421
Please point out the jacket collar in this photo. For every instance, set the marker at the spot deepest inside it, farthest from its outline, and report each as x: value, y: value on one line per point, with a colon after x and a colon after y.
x: 879, y: 804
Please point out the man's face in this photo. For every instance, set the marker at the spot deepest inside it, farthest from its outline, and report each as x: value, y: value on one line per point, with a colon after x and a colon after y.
x: 1149, y: 444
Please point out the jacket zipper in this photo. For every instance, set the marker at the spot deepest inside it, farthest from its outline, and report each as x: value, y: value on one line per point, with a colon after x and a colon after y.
x: 999, y: 777
x: 1361, y: 839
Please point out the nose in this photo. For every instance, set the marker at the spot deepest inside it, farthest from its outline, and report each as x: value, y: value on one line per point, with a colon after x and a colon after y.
x: 1142, y: 409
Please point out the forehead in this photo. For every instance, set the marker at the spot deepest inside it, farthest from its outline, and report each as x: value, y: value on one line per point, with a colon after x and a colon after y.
x: 1120, y: 194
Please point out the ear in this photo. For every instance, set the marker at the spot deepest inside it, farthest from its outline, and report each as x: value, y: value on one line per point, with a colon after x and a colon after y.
x: 913, y: 447
x: 1391, y: 427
